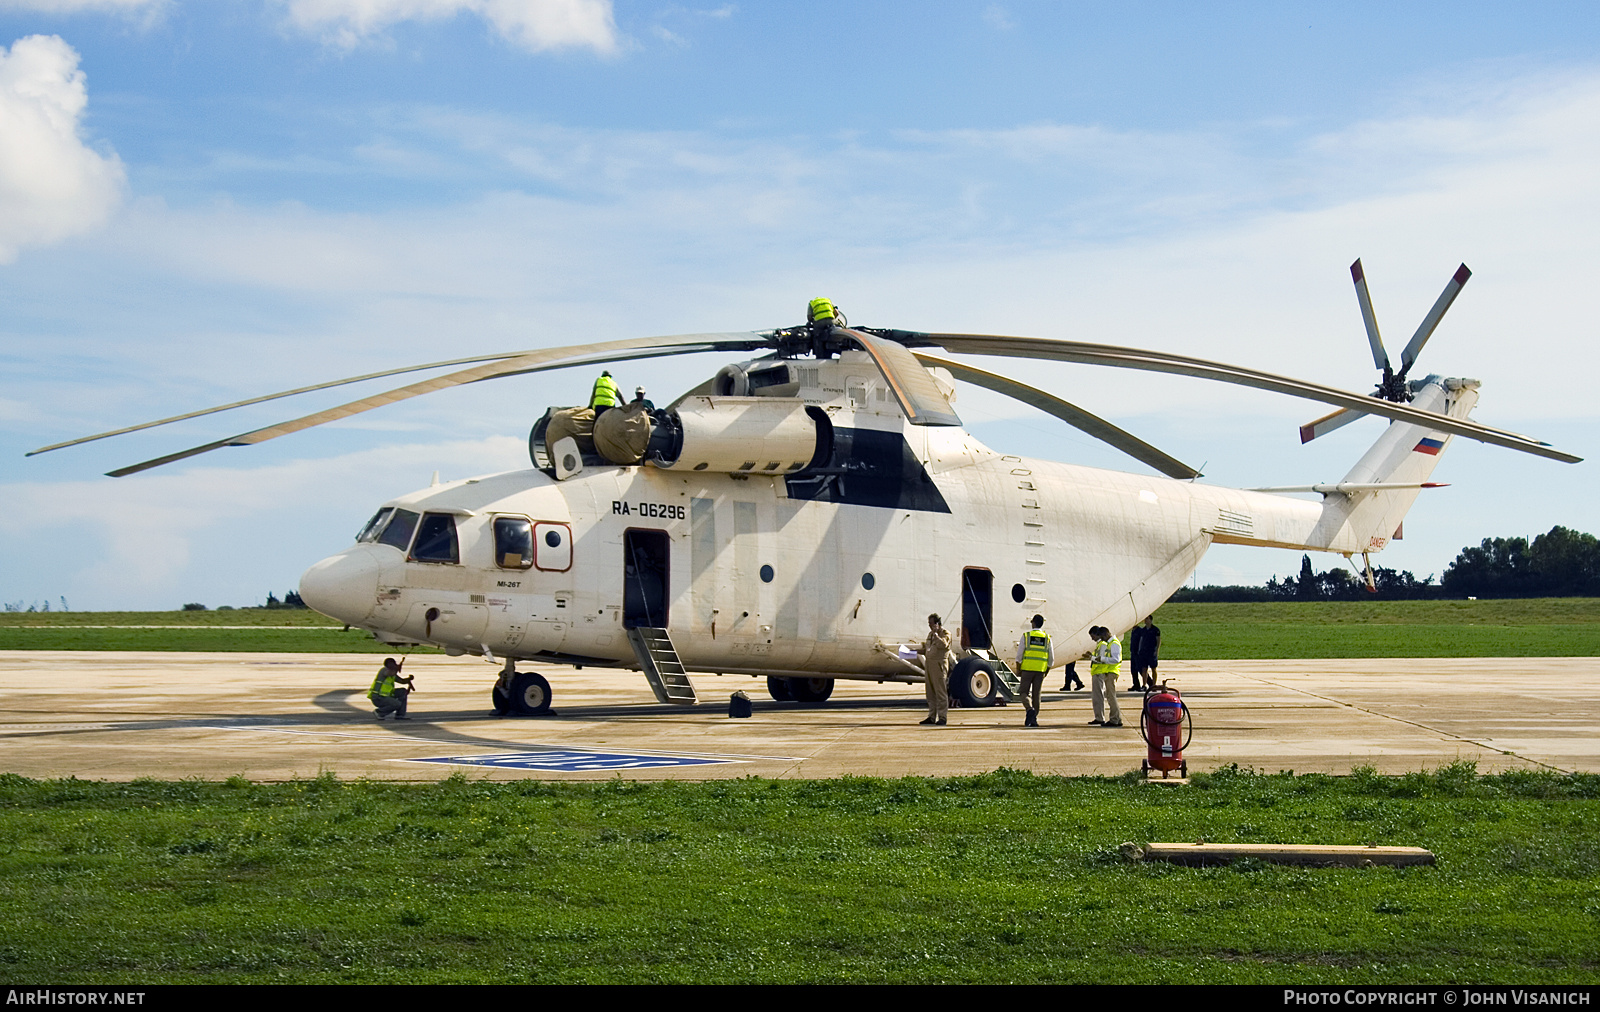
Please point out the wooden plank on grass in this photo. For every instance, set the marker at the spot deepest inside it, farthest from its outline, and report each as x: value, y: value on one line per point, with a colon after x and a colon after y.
x: 1285, y: 853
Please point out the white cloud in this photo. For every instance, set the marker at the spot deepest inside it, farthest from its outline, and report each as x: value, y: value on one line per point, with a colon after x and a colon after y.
x: 1190, y: 241
x: 535, y: 25
x: 52, y: 184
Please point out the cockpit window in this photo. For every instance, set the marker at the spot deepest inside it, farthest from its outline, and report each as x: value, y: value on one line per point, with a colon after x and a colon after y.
x: 398, y: 533
x: 375, y: 525
x: 513, y: 543
x: 436, y: 539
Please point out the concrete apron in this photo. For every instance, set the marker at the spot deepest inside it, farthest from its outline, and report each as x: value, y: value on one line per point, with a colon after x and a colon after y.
x: 117, y: 716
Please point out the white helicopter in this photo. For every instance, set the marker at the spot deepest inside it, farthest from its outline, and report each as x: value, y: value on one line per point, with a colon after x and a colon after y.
x: 794, y: 516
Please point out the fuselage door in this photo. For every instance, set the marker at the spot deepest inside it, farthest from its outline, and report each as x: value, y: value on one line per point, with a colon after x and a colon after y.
x: 645, y: 568
x: 977, y: 609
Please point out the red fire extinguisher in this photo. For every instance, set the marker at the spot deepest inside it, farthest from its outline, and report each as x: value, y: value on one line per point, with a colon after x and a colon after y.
x: 1166, y: 726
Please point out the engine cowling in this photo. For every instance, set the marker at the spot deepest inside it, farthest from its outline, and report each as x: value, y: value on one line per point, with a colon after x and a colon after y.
x: 741, y: 435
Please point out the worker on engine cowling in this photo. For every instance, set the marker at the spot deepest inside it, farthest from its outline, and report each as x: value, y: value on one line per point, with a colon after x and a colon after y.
x: 605, y: 394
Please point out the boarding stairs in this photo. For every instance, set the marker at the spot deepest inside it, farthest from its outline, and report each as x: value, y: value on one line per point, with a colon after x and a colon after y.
x: 662, y: 668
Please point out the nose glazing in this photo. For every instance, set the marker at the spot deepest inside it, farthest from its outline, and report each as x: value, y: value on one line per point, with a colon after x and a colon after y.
x: 343, y: 586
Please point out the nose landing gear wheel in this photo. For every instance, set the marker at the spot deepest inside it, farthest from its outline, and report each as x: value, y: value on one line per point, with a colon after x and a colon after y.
x: 530, y: 694
x: 502, y: 700
x: 778, y: 688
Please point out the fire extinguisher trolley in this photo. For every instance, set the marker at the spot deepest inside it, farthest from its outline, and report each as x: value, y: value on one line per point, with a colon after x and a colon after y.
x: 1166, y: 726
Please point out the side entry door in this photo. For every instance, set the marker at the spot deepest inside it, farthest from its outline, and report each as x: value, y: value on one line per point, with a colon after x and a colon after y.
x: 646, y: 567
x: 977, y: 609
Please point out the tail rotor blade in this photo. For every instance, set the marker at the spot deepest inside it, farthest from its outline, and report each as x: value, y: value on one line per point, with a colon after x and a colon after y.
x: 1431, y: 322
x: 1380, y: 358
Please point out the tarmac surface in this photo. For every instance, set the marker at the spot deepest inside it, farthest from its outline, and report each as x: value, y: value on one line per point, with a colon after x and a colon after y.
x: 119, y: 716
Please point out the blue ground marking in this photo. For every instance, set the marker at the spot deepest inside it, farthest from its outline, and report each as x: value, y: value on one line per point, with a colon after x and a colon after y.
x: 573, y: 760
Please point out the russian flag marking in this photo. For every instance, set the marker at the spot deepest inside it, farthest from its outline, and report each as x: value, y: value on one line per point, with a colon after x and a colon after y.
x: 1430, y: 445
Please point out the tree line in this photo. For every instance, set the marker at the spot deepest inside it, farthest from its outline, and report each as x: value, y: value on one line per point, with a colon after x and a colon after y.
x: 1560, y: 563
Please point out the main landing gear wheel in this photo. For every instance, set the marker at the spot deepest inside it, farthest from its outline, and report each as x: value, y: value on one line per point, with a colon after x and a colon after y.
x: 530, y: 694
x: 972, y: 683
x: 780, y: 689
x: 502, y: 700
x: 810, y: 690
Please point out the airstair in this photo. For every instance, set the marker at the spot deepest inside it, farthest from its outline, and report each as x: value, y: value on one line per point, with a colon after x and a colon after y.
x: 662, y: 669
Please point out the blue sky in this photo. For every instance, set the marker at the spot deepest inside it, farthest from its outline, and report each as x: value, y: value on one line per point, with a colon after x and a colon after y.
x: 201, y: 202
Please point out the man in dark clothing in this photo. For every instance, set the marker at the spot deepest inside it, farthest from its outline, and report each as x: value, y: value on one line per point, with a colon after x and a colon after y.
x: 1072, y: 676
x: 1144, y: 644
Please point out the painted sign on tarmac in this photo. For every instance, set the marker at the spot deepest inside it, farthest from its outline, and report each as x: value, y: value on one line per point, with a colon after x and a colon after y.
x: 575, y: 760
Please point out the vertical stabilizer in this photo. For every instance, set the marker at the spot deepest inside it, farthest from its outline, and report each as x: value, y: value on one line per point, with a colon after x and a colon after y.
x: 1405, y: 454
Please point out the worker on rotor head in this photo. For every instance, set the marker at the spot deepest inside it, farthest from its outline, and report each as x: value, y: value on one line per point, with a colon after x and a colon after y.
x: 822, y: 315
x: 641, y: 400
x: 1103, y: 674
x: 1035, y: 657
x: 386, y: 696
x: 605, y: 394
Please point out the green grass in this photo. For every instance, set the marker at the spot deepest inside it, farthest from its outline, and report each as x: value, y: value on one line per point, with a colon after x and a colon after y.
x: 1537, y: 627
x: 1540, y: 627
x: 274, y: 630
x: 1001, y: 877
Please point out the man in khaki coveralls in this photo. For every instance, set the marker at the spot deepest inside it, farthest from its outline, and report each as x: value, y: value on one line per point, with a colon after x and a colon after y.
x: 935, y: 653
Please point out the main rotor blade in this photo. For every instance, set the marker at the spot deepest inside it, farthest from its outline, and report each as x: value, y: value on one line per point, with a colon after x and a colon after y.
x: 1380, y: 358
x: 533, y: 361
x: 1327, y: 423
x: 272, y: 397
x: 1070, y: 413
x: 1156, y: 361
x: 1431, y: 321
x: 919, y: 396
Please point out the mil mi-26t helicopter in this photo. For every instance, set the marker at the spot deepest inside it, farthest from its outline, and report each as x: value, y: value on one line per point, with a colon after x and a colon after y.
x: 795, y: 515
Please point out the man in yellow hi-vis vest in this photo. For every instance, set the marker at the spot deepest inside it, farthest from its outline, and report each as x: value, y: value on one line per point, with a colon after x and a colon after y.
x: 388, y: 697
x: 1035, y: 657
x: 821, y: 313
x: 1103, y: 665
x: 605, y: 394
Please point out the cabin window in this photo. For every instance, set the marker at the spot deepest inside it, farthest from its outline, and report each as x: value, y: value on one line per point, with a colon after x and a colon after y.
x: 375, y: 525
x: 513, y: 543
x: 436, y: 539
x: 397, y: 534
x: 552, y: 547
